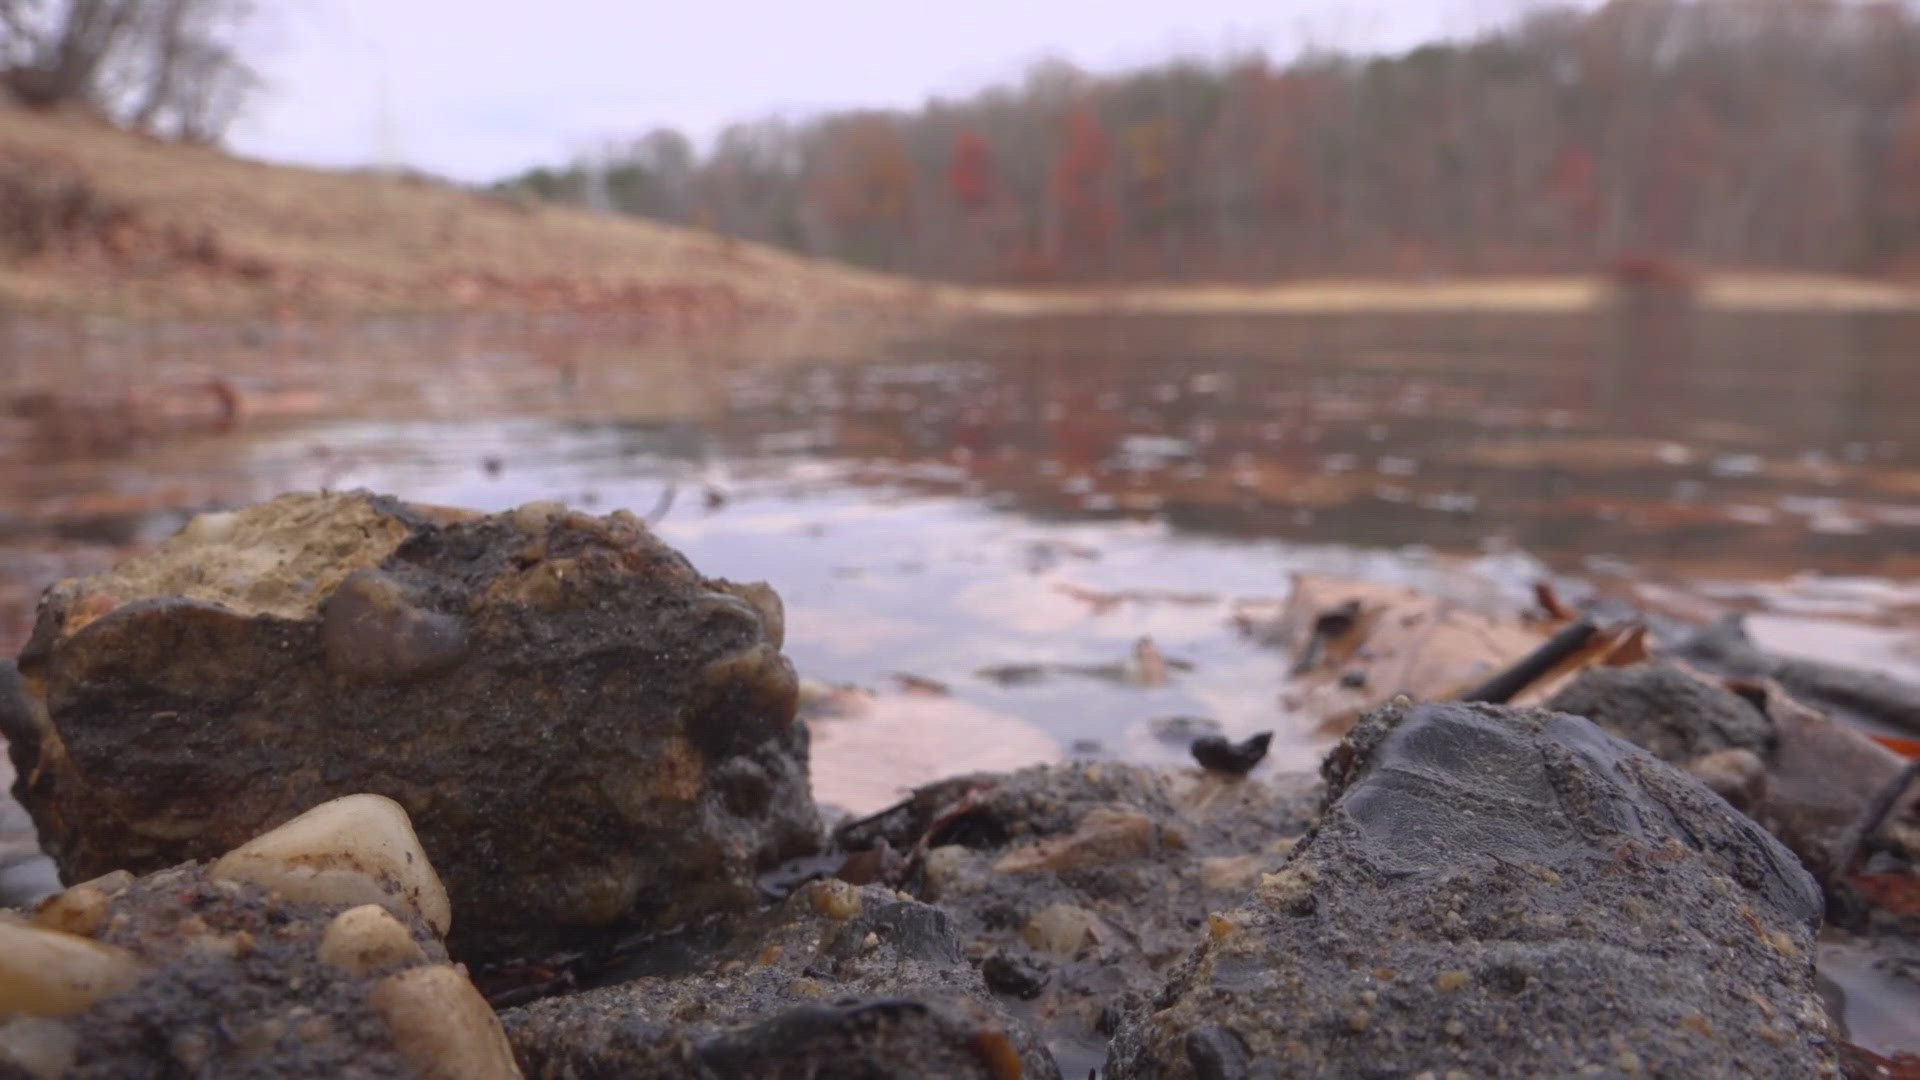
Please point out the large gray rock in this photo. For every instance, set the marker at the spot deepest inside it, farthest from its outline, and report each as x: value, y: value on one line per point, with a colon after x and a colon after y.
x: 1502, y: 892
x: 838, y: 981
x: 586, y: 732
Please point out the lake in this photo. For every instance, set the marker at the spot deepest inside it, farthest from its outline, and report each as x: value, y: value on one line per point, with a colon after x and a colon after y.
x: 975, y: 525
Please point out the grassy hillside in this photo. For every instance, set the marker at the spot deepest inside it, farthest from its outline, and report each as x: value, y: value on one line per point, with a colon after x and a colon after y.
x: 95, y: 219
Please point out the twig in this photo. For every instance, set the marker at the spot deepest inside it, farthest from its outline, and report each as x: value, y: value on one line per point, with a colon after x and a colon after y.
x: 1500, y: 689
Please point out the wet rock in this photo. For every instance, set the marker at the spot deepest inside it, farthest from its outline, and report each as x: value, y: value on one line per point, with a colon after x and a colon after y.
x: 1672, y: 714
x: 1853, y: 693
x: 835, y: 981
x: 585, y: 732
x: 1807, y: 778
x: 1820, y: 779
x: 1102, y: 875
x: 1502, y: 892
x: 189, y: 973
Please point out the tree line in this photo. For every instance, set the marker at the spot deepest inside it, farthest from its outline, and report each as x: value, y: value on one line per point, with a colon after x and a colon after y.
x: 1777, y: 134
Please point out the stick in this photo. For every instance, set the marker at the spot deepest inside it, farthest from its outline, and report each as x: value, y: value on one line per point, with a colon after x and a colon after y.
x: 1501, y: 688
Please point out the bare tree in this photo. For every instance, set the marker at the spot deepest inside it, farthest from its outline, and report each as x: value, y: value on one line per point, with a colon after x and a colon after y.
x: 168, y: 66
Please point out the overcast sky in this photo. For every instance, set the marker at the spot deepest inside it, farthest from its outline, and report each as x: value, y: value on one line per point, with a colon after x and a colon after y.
x: 477, y: 89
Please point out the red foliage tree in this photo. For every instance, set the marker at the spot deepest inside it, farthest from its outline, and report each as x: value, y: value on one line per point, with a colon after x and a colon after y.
x: 970, y: 171
x: 1079, y: 193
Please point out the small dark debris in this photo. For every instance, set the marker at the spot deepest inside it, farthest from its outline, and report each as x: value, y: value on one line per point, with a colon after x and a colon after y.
x: 920, y: 684
x: 491, y: 465
x: 1216, y: 754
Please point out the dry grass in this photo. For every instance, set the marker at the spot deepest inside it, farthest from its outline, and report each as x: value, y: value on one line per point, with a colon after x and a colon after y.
x: 205, y: 232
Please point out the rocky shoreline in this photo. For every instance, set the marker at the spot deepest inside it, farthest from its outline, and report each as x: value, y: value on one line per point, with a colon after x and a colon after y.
x: 351, y: 787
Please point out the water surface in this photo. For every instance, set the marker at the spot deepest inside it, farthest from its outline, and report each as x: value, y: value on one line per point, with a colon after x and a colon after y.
x: 975, y: 527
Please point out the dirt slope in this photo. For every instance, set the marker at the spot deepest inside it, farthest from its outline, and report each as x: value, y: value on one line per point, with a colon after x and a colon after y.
x: 96, y: 219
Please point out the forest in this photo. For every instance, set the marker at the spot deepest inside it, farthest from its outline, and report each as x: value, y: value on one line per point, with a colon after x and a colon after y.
x: 1713, y: 133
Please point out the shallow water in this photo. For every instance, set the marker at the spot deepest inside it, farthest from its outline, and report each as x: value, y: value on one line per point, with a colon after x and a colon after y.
x: 945, y: 510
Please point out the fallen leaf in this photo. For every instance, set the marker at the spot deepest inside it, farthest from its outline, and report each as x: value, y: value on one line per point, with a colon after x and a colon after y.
x: 1899, y: 744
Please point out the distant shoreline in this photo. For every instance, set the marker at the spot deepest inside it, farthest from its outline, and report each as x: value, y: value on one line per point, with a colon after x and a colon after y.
x: 1521, y: 294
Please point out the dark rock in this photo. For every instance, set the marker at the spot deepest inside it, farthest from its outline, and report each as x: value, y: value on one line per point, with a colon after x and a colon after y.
x: 1215, y: 753
x: 586, y: 732
x: 1673, y: 715
x: 1808, y: 779
x: 1503, y: 892
x: 834, y: 982
x: 1007, y: 973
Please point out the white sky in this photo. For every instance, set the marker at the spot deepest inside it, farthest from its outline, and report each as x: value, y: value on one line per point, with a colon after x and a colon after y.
x: 477, y: 89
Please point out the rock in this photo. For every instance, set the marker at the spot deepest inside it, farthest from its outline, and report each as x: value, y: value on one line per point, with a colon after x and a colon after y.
x: 37, y: 1047
x: 192, y: 973
x: 1820, y: 778
x: 585, y: 732
x: 1502, y: 892
x: 1857, y: 694
x: 360, y: 940
x: 1099, y: 875
x: 1017, y: 976
x: 1062, y: 929
x: 825, y: 984
x: 1804, y: 776
x: 1670, y: 713
x: 1737, y: 775
x: 441, y: 1026
x: 50, y: 973
x: 352, y: 850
